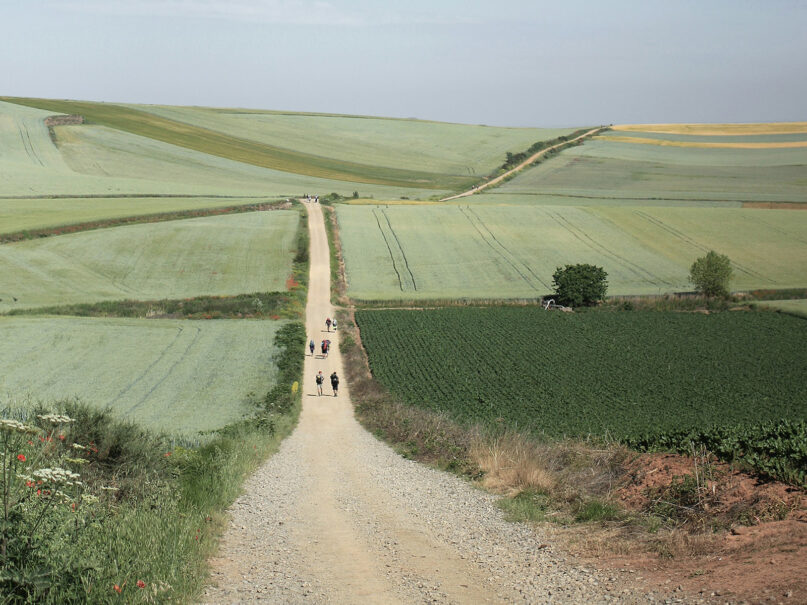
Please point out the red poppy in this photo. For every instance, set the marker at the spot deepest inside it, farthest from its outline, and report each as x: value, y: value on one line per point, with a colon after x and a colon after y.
x: 167, y: 454
x: 61, y: 437
x: 116, y: 588
x: 21, y: 457
x: 29, y: 484
x: 141, y: 584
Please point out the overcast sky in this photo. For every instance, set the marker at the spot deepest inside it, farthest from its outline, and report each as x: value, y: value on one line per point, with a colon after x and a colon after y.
x: 508, y: 62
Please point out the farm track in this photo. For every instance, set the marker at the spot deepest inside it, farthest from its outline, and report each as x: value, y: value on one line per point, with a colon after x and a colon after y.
x: 406, y: 280
x: 589, y: 241
x: 520, y: 167
x: 337, y: 517
x: 29, y: 146
x: 500, y: 249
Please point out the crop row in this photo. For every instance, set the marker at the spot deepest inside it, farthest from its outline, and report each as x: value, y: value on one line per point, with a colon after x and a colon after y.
x: 630, y: 376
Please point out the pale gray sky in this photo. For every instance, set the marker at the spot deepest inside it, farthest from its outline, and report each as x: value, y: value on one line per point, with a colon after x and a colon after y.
x: 513, y: 62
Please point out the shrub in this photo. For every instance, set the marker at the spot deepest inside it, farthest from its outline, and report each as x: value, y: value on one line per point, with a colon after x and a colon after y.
x: 577, y: 285
x: 711, y: 274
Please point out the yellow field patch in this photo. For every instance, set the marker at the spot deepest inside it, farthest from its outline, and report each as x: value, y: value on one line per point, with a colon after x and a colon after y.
x: 718, y: 129
x: 727, y: 145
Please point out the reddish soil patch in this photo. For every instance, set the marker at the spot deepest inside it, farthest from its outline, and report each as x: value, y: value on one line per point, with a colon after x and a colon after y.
x: 776, y: 205
x: 730, y: 495
x: 762, y: 558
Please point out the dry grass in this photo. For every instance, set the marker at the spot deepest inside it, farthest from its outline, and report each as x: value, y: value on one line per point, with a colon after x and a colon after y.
x: 704, y: 145
x: 718, y: 129
x: 570, y: 471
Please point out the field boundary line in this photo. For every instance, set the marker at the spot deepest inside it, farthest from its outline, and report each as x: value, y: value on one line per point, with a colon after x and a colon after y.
x: 522, y: 165
x: 178, y: 215
x: 802, y: 205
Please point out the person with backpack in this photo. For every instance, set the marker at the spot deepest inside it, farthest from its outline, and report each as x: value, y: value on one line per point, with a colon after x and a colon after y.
x: 335, y: 383
x: 320, y: 379
x: 333, y: 323
x: 328, y: 323
x: 311, y: 347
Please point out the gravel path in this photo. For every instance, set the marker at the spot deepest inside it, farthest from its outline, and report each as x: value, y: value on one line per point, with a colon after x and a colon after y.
x: 337, y: 517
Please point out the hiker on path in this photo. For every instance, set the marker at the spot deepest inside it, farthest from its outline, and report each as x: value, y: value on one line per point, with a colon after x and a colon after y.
x: 334, y: 324
x: 326, y: 345
x: 311, y: 347
x: 335, y: 383
x: 328, y: 323
x: 320, y: 379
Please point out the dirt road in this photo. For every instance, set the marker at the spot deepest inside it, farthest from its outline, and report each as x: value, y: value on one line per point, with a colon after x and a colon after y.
x: 337, y: 517
x: 521, y: 166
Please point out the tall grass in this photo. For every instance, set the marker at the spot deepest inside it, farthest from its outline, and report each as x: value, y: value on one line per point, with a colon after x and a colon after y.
x: 150, y: 541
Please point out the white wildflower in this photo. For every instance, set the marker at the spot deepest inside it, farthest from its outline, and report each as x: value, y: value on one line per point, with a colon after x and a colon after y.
x: 57, y: 475
x: 89, y: 498
x: 14, y: 426
x: 55, y: 418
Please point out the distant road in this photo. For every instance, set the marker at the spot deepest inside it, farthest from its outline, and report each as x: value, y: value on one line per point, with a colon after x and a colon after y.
x: 521, y: 166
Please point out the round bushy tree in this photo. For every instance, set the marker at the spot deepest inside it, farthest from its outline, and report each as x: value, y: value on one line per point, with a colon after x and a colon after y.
x: 577, y: 285
x: 711, y: 274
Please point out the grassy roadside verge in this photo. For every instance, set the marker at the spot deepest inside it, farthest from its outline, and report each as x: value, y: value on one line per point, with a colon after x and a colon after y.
x: 99, y: 510
x: 151, y: 509
x: 17, y: 236
x: 338, y: 279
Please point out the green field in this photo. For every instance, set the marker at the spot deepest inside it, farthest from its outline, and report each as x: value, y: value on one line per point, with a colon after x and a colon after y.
x: 434, y: 147
x: 267, y: 146
x: 26, y: 214
x: 607, y: 170
x: 621, y: 374
x: 796, y: 307
x: 225, y: 255
x: 96, y: 160
x: 489, y: 251
x: 177, y: 376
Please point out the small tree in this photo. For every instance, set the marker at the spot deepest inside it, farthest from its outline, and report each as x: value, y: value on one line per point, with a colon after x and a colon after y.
x: 577, y: 285
x: 711, y: 274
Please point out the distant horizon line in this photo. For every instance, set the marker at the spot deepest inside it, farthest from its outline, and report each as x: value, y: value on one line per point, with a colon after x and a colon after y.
x: 404, y: 119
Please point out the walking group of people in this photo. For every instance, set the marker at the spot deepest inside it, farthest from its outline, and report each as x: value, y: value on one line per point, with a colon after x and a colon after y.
x: 325, y: 347
x: 309, y: 197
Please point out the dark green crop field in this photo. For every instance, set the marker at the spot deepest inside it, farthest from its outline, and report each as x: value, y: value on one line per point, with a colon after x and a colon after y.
x: 641, y: 377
